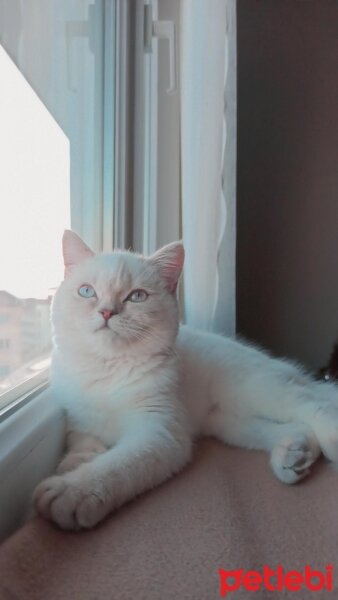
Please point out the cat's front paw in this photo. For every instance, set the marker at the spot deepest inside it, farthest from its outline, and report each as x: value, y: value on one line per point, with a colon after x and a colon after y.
x: 71, y: 502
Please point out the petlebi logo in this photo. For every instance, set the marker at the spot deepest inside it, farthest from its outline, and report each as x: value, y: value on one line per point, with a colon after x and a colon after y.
x: 275, y: 580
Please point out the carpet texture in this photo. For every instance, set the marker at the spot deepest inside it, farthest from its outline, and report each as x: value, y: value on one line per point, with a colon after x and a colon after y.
x: 226, y: 510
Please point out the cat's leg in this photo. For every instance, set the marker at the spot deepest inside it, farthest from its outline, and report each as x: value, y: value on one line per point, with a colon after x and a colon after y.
x: 323, y: 420
x: 80, y: 448
x: 284, y: 394
x: 148, y: 453
x: 293, y: 447
x: 317, y: 407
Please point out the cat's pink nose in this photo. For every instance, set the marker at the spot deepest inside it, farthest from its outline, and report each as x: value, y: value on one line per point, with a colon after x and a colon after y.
x: 107, y: 314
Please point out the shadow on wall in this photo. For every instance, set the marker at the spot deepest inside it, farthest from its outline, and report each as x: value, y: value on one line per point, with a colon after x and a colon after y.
x: 287, y: 243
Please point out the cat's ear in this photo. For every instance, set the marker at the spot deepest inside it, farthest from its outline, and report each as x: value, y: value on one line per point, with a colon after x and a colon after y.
x: 169, y: 260
x: 74, y: 250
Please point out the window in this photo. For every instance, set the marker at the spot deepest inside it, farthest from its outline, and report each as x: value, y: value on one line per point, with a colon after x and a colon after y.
x: 76, y: 146
x: 59, y: 161
x: 67, y: 121
x: 34, y: 183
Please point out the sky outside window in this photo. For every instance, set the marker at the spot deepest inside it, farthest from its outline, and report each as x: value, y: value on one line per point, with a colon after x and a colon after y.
x: 34, y: 188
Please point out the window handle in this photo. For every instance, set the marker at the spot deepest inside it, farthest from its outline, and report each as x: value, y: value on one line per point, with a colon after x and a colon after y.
x: 164, y: 30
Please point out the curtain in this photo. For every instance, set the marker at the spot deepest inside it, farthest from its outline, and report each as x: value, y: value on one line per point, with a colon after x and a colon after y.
x: 208, y: 161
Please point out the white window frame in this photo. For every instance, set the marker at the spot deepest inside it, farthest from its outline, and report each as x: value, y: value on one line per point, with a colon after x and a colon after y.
x: 145, y: 148
x: 157, y: 145
x: 31, y: 442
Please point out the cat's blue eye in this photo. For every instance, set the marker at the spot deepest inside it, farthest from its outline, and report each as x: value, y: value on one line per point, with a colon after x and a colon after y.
x: 86, y: 291
x: 137, y: 296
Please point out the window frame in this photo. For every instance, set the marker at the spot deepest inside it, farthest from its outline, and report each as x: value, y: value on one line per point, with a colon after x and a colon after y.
x: 16, y: 397
x: 146, y: 131
x: 31, y: 443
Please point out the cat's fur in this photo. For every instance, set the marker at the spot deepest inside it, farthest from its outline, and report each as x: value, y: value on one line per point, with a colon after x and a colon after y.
x: 136, y: 395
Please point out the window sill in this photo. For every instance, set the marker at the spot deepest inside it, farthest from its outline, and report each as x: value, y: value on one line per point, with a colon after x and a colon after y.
x: 21, y: 394
x: 31, y: 442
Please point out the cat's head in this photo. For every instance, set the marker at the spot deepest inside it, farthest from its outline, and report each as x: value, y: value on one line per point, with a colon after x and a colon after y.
x: 119, y: 301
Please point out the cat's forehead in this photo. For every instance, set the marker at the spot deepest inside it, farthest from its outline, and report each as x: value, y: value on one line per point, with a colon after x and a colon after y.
x: 117, y: 269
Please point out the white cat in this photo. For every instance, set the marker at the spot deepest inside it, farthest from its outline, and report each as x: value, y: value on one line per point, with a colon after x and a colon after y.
x: 136, y: 394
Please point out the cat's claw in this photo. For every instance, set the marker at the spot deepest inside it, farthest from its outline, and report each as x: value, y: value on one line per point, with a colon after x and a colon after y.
x: 71, y: 502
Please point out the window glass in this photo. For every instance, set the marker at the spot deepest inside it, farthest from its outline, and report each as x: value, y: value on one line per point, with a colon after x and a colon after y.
x: 34, y: 210
x: 51, y: 163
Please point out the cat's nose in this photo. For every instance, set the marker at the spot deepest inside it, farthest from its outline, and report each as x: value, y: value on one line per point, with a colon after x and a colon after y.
x: 107, y: 313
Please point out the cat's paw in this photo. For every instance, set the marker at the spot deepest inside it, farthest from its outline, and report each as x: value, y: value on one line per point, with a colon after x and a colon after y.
x: 71, y: 502
x: 291, y: 460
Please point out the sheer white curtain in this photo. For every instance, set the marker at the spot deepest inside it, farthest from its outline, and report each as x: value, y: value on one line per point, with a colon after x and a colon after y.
x: 208, y: 161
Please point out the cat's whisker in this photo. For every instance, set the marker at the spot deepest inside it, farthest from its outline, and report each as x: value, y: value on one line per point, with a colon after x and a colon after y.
x: 141, y: 333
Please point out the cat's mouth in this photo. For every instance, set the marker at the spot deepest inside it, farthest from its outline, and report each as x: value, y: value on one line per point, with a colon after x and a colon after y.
x: 104, y: 326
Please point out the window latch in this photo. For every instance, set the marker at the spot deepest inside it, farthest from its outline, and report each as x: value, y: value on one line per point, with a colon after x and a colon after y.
x: 164, y: 30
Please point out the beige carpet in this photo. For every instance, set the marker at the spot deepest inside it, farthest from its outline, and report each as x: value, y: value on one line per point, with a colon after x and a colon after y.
x: 226, y: 510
